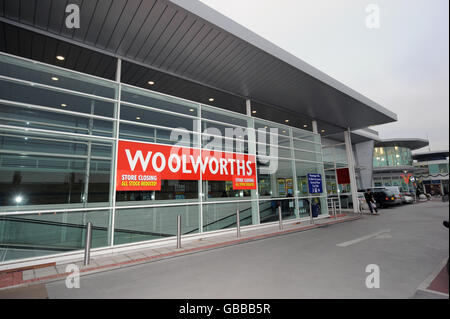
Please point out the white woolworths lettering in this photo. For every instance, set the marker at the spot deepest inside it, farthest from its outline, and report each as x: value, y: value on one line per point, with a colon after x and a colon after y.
x: 178, y: 160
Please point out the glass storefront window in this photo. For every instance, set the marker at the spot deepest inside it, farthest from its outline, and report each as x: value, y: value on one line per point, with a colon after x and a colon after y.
x: 45, y: 171
x: 42, y: 74
x: 277, y: 183
x: 159, y: 101
x: 34, y: 235
x: 268, y: 210
x: 392, y: 156
x: 139, y: 224
x: 223, y: 215
x: 53, y: 99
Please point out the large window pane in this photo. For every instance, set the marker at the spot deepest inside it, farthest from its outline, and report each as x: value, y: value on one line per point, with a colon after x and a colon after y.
x: 43, y: 74
x: 43, y: 171
x: 155, y: 118
x: 32, y: 118
x: 268, y: 210
x: 223, y: 215
x: 134, y: 225
x: 302, y: 171
x: 152, y: 99
x: 277, y: 182
x: 53, y: 99
x: 25, y: 236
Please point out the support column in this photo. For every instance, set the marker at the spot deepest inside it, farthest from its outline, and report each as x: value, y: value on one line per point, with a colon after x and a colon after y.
x: 351, y: 169
x: 314, y: 127
x: 112, y: 180
x: 248, y: 107
x: 252, y: 150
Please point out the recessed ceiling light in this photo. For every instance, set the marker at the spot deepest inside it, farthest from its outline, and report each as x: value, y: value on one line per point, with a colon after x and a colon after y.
x: 54, y: 78
x: 253, y: 111
x: 211, y: 99
x: 284, y: 131
x: 191, y: 110
x: 323, y: 131
x: 60, y: 57
x: 305, y: 125
x: 286, y: 121
x: 63, y: 105
x: 138, y: 117
x: 151, y: 82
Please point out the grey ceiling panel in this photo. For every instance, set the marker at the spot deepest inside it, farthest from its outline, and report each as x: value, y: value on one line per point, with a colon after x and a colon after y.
x: 26, y: 42
x: 27, y: 8
x: 146, y: 29
x: 163, y: 22
x: 133, y: 29
x: 12, y: 9
x: 127, y: 18
x: 195, y: 46
x: 112, y: 20
x: 42, y: 14
x: 182, y: 45
x: 165, y: 37
x: 176, y: 39
x: 87, y: 10
x: 57, y: 16
x: 223, y: 57
x: 218, y: 43
x: 98, y: 19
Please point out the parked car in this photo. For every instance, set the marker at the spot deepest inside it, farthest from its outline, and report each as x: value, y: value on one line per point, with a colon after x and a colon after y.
x: 407, y: 198
x: 393, y: 189
x: 384, y: 197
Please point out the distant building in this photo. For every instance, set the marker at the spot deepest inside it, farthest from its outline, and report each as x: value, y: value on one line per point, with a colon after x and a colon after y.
x: 432, y: 171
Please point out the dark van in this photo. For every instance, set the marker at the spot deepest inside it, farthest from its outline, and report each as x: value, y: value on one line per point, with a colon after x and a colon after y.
x: 384, y: 197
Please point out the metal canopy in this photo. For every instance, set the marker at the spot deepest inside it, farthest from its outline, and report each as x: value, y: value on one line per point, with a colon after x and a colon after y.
x: 192, y: 42
x: 411, y: 143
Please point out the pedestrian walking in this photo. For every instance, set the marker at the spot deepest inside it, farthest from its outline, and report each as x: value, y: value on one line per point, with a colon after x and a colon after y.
x: 370, y: 201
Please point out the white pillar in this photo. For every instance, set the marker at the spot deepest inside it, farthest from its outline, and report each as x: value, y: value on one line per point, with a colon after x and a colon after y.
x: 351, y: 169
x: 248, y: 107
x: 314, y: 127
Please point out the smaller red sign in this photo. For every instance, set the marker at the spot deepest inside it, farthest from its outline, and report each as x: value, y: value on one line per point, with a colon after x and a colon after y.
x: 244, y: 182
x: 343, y: 176
x: 137, y: 181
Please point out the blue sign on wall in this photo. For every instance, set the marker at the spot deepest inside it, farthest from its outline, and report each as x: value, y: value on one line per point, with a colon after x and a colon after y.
x: 315, y: 183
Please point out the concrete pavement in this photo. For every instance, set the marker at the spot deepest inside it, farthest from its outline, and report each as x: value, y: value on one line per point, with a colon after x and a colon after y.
x: 408, y: 243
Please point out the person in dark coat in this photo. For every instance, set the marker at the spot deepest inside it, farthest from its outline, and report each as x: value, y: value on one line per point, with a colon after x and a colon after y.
x: 370, y: 200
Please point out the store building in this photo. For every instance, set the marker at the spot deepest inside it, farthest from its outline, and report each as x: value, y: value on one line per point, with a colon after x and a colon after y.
x: 155, y: 109
x: 432, y: 171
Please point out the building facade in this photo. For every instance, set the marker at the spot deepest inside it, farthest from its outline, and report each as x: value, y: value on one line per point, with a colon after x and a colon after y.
x: 134, y: 119
x: 432, y: 171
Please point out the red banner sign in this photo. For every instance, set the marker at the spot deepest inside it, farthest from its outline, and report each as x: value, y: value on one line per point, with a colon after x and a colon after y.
x: 142, y: 166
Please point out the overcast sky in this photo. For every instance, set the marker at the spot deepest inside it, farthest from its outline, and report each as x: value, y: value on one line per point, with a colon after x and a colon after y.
x: 402, y: 65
